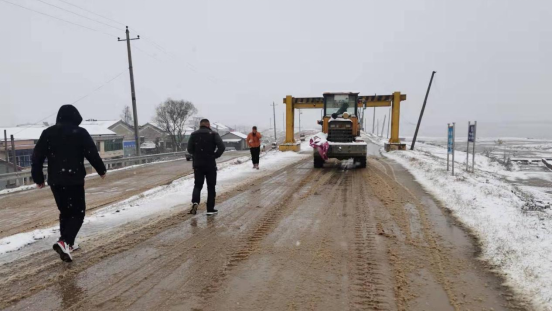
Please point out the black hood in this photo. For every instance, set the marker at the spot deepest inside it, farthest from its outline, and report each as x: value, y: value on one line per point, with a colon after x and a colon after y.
x: 68, y: 114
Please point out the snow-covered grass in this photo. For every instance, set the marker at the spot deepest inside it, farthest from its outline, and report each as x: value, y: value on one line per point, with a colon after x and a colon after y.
x: 160, y: 199
x: 514, y: 238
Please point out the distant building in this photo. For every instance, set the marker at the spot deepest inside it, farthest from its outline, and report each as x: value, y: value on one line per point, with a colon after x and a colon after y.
x: 153, y: 134
x: 126, y: 130
x: 235, y: 139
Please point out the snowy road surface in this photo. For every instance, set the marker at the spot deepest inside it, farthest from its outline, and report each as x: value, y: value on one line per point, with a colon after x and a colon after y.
x: 25, y: 210
x: 286, y: 238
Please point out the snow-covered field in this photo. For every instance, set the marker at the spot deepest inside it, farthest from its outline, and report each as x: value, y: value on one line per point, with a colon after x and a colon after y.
x: 153, y: 201
x: 511, y: 221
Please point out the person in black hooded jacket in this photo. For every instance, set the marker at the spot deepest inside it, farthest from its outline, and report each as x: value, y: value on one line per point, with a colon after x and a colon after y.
x: 205, y: 146
x: 66, y: 145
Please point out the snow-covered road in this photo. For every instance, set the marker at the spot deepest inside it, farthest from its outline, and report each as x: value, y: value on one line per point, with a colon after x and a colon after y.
x: 287, y: 237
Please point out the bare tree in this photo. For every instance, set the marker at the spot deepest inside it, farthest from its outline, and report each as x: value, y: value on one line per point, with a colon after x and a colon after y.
x: 171, y: 116
x: 126, y: 115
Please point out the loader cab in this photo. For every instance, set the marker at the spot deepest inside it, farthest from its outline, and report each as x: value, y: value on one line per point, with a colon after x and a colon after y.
x: 340, y: 116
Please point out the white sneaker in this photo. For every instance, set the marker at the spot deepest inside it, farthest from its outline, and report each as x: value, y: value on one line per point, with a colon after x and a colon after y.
x: 213, y: 212
x: 63, y: 250
x: 74, y: 247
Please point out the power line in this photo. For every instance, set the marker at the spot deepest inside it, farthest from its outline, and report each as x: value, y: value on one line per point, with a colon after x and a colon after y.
x: 148, y: 40
x: 60, y: 19
x: 146, y: 53
x: 78, y: 100
x: 94, y: 20
x: 92, y: 12
x: 209, y: 77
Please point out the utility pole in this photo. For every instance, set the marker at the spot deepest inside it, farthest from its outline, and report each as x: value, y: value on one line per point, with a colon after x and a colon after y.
x: 133, y: 94
x: 13, y: 154
x: 468, y: 145
x: 274, y: 120
x: 383, y: 123
x: 453, y: 153
x: 299, y: 119
x: 6, y: 151
x: 374, y: 116
x: 473, y: 146
x: 422, y: 111
x: 389, y: 119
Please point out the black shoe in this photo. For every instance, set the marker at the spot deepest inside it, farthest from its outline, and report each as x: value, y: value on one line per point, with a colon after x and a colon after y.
x: 193, y: 209
x: 213, y: 212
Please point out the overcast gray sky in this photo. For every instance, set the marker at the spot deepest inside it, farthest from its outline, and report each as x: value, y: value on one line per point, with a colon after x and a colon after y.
x: 232, y: 59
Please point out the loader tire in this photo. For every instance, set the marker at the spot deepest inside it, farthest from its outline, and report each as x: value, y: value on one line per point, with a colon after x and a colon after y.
x: 318, y: 162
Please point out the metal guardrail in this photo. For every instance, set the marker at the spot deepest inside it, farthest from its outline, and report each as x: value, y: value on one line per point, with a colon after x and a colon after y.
x: 110, y: 163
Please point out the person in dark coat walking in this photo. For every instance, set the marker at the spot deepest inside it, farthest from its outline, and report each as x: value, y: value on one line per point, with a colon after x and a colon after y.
x: 205, y: 146
x: 66, y: 145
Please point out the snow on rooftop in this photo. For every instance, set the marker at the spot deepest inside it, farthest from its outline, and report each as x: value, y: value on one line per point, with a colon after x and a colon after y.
x: 241, y: 135
x: 34, y: 132
x: 97, y: 130
x: 103, y: 123
x: 22, y: 133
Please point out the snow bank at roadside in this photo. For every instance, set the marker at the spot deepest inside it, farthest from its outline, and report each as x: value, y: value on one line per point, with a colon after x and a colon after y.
x: 515, y: 239
x: 163, y: 198
x: 17, y: 189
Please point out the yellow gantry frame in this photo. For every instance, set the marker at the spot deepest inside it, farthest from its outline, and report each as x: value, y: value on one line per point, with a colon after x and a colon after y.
x: 292, y: 103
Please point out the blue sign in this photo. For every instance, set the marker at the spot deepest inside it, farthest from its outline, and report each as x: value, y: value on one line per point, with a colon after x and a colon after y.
x: 472, y: 132
x: 450, y: 139
x: 129, y: 144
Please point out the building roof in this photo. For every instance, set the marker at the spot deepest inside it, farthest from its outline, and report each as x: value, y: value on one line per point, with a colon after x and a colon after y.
x: 239, y: 134
x: 102, y: 123
x: 236, y: 134
x: 152, y: 125
x: 23, y: 133
x: 125, y: 124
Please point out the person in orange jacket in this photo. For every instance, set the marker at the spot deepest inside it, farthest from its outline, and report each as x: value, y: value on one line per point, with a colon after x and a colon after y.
x: 254, y: 143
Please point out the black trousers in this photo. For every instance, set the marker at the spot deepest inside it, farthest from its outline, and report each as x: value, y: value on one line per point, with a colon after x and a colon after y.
x: 210, y: 176
x: 255, y: 154
x: 71, y: 204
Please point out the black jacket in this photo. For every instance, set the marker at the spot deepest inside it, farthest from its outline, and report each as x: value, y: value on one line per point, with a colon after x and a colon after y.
x: 205, y: 146
x: 65, y: 145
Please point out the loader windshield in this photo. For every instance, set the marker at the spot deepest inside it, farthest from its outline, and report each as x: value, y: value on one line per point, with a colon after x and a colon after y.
x: 340, y: 103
